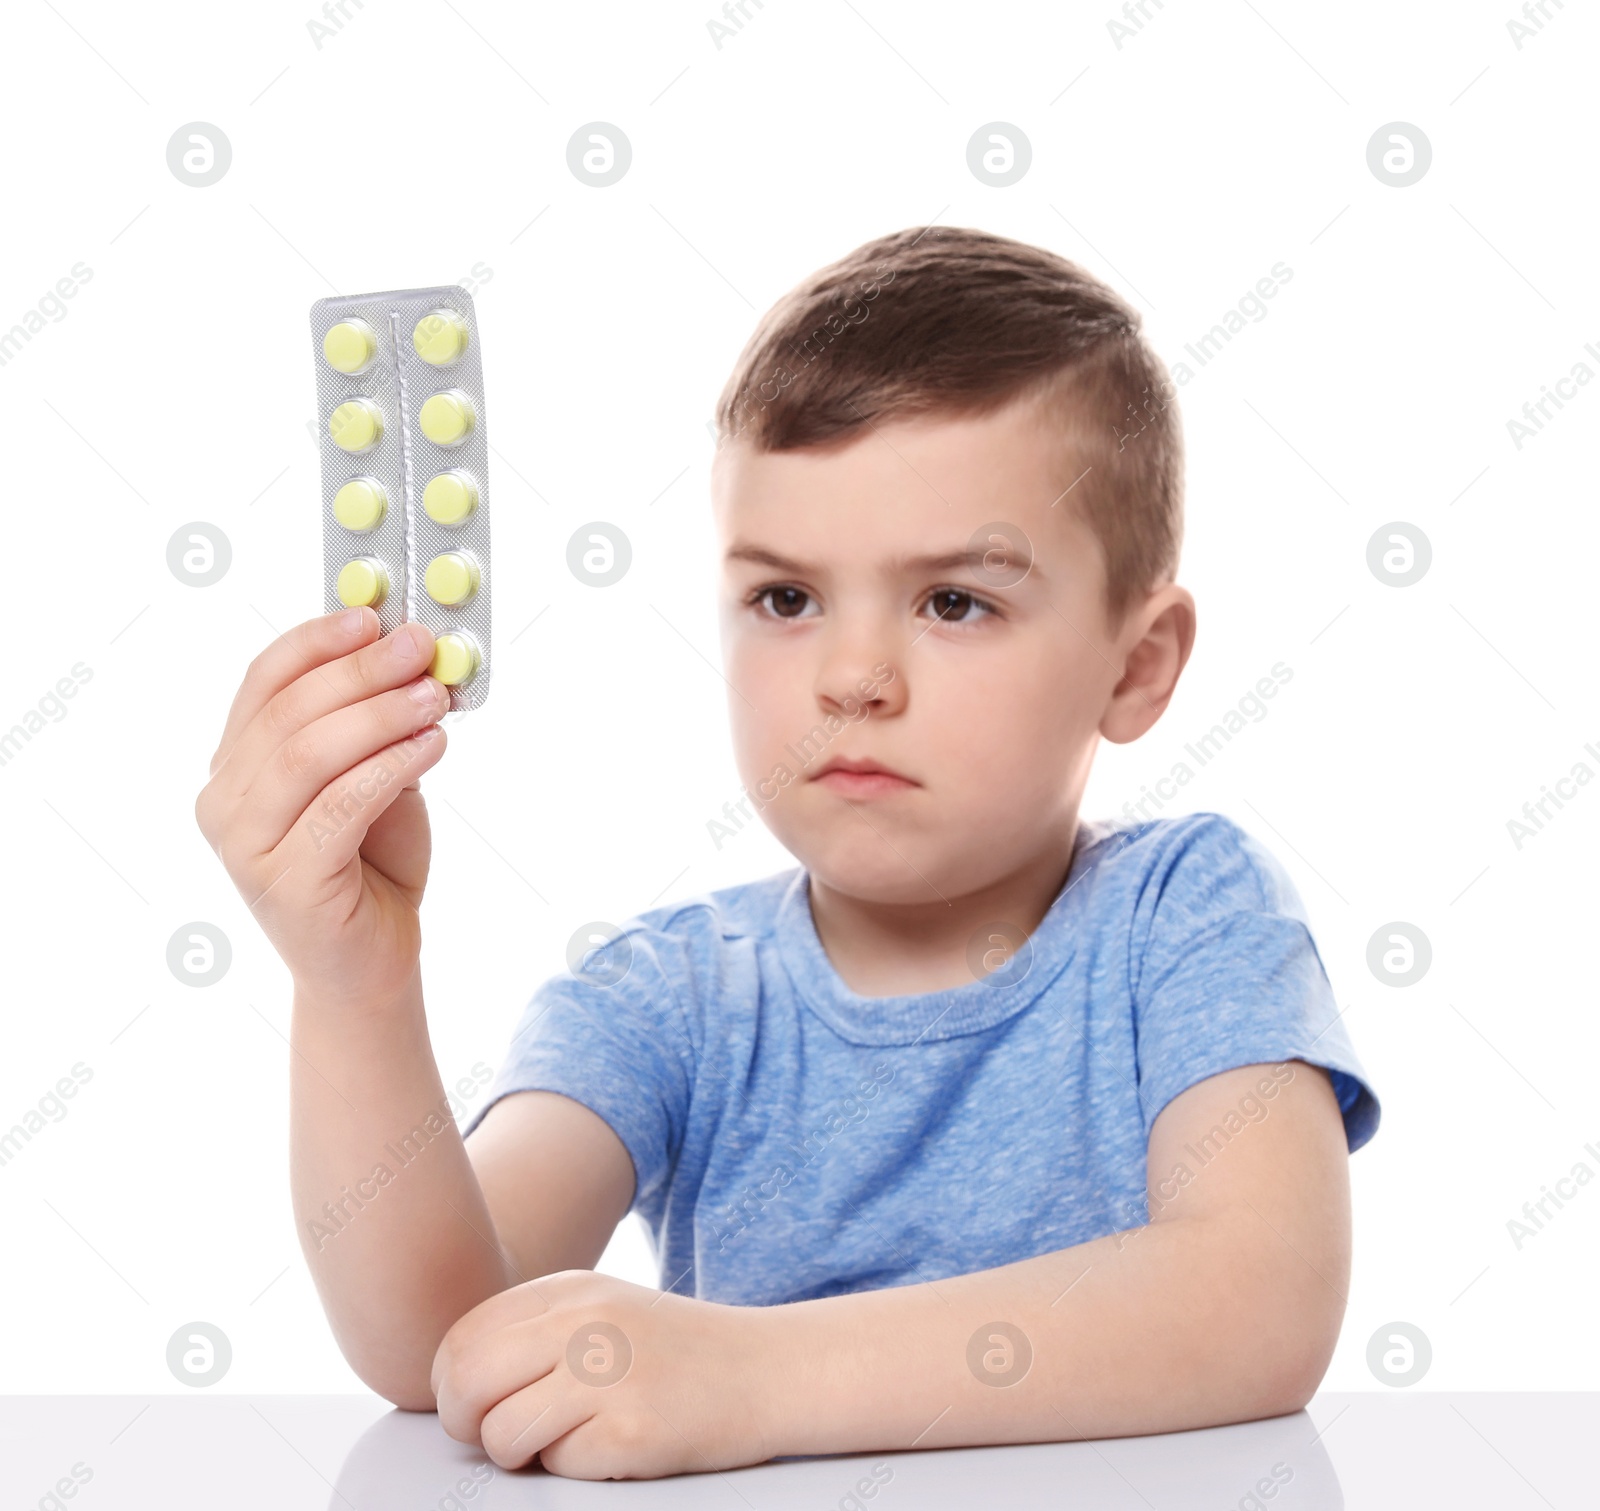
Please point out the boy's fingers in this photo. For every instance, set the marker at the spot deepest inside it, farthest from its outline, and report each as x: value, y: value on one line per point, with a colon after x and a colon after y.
x: 347, y: 681
x: 308, y: 761
x: 288, y: 657
x: 523, y: 1420
x: 474, y: 1372
x: 330, y: 831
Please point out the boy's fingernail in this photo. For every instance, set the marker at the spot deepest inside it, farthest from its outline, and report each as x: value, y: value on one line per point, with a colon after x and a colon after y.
x: 404, y: 642
x: 351, y: 622
x: 425, y: 692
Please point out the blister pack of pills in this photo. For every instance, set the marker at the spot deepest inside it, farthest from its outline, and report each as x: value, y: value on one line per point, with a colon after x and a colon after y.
x: 405, y: 477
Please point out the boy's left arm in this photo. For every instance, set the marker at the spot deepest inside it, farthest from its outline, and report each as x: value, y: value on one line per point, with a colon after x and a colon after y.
x: 1225, y: 1307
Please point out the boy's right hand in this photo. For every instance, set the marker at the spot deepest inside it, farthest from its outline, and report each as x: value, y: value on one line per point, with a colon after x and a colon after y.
x: 313, y: 805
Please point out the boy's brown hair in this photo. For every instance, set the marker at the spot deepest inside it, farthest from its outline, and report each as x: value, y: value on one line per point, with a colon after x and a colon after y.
x: 938, y: 320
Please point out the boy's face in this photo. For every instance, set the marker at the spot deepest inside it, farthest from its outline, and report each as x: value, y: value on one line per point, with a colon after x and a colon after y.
x: 836, y: 650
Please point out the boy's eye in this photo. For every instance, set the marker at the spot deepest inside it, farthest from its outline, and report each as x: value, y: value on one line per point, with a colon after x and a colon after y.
x: 786, y: 602
x: 954, y: 604
x: 950, y: 605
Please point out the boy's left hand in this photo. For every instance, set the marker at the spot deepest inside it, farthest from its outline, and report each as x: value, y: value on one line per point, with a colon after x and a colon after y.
x: 634, y: 1383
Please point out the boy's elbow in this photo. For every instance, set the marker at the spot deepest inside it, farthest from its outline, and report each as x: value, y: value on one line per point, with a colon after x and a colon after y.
x: 1278, y: 1381
x: 406, y: 1383
x: 1287, y: 1313
x: 1297, y: 1353
x: 407, y: 1394
x: 1298, y: 1380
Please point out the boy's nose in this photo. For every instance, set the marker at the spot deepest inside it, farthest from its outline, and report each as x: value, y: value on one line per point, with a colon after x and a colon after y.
x: 861, y: 679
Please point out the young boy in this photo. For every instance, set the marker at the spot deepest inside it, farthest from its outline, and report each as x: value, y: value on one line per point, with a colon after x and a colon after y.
x: 985, y: 1123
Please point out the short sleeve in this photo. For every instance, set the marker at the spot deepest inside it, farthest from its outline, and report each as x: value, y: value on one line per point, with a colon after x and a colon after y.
x: 613, y: 1036
x: 1229, y: 975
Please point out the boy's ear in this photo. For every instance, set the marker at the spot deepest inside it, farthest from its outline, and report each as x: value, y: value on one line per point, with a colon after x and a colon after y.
x: 1157, y: 640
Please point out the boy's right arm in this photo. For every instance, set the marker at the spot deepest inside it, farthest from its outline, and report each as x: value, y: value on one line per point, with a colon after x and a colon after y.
x: 540, y: 1188
x: 314, y: 809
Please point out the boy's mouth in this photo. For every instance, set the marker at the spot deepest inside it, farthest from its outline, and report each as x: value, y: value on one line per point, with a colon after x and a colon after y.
x: 860, y: 778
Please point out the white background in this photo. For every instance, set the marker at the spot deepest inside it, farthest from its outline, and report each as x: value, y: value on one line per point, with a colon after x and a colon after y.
x: 425, y: 139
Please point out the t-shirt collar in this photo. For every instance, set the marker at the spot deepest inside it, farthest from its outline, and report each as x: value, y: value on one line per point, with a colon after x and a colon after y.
x: 966, y: 1009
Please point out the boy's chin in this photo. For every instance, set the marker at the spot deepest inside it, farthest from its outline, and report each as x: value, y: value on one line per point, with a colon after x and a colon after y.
x: 864, y: 867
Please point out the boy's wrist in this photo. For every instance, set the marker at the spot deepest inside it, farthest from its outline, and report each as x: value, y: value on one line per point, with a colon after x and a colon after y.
x: 815, y: 1378
x: 325, y: 1002
x: 875, y: 1370
x: 782, y: 1345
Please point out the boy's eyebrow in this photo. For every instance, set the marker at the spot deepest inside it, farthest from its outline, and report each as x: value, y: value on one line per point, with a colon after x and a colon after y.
x: 973, y: 558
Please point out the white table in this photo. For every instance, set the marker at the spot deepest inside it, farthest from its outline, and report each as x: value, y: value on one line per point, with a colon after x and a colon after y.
x: 1402, y: 1449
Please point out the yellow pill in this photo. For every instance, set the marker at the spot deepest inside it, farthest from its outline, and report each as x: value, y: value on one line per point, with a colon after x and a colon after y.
x: 455, y: 659
x: 360, y: 504
x: 356, y: 425
x: 446, y: 418
x: 440, y: 337
x: 350, y: 346
x: 451, y: 578
x: 450, y: 497
x: 363, y: 582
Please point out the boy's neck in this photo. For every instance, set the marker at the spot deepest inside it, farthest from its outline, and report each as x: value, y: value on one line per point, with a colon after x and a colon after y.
x: 906, y: 949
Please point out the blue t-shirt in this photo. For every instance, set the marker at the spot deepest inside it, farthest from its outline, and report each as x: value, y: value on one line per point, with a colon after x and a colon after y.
x: 792, y: 1139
